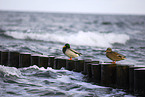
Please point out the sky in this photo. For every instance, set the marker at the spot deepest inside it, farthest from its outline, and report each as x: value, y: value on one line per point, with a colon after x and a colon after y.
x: 76, y: 6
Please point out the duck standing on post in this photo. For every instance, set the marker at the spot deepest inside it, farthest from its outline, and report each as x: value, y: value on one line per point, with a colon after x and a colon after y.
x: 70, y: 52
x: 114, y: 56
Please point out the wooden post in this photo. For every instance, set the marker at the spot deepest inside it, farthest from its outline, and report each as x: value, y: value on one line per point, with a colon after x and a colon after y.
x: 85, y: 71
x: 25, y: 60
x: 5, y: 58
x: 131, y: 76
x: 70, y: 65
x: 139, y: 81
x: 85, y: 66
x: 79, y: 65
x: 89, y: 71
x: 0, y: 57
x: 96, y: 73
x: 122, y: 76
x: 108, y: 74
x: 51, y: 61
x: 14, y: 59
x: 59, y: 63
x: 43, y: 61
x: 35, y: 59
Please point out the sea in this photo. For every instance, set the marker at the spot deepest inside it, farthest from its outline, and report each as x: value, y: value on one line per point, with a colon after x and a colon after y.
x: 46, y: 33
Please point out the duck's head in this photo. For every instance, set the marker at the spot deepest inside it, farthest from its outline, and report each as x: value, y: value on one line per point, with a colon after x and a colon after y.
x: 66, y: 45
x: 108, y: 50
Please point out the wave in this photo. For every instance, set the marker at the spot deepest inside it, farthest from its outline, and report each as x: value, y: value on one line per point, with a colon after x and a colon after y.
x: 9, y: 71
x: 81, y: 38
x: 64, y: 83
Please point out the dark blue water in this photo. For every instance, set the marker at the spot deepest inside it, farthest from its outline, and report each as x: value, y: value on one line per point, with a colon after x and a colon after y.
x: 46, y: 33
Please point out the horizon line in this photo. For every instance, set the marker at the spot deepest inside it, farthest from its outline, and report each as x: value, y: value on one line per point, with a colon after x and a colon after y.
x: 66, y: 12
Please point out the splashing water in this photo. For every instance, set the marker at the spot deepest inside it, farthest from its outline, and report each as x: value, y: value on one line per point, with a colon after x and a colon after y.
x: 81, y: 38
x: 34, y: 81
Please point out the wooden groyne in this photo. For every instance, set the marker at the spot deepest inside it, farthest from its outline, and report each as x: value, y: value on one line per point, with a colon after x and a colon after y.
x: 128, y: 77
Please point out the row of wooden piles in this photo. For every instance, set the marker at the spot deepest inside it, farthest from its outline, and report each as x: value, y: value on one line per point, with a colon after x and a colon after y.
x: 128, y: 77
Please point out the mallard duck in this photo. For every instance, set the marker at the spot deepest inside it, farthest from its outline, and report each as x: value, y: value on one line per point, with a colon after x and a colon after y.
x: 70, y: 52
x: 114, y: 56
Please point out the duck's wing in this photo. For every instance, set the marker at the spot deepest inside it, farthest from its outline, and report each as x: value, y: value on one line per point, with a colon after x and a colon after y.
x: 75, y: 52
x: 119, y: 55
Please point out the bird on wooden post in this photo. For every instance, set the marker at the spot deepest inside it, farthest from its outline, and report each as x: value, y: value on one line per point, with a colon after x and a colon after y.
x: 70, y: 52
x: 114, y: 56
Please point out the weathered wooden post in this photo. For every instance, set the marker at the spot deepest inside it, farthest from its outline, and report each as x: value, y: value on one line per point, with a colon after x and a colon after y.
x: 96, y: 73
x: 79, y: 65
x: 139, y: 81
x: 5, y: 58
x: 35, y: 59
x: 70, y: 65
x: 108, y: 74
x: 85, y: 66
x: 131, y: 76
x: 51, y: 61
x: 89, y: 69
x: 122, y: 77
x: 0, y: 57
x: 14, y: 59
x: 43, y: 61
x: 59, y: 63
x: 25, y: 60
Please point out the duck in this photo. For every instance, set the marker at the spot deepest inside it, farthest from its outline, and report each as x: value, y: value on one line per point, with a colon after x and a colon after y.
x: 70, y: 52
x: 114, y: 56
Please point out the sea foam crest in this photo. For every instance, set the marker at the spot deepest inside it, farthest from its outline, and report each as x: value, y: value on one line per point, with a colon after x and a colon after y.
x: 9, y: 71
x: 81, y: 38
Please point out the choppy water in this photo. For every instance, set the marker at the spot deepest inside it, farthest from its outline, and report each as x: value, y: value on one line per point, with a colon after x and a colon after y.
x: 39, y: 82
x: 46, y: 33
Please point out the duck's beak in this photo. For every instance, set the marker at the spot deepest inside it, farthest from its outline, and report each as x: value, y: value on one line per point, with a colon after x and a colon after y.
x: 64, y: 46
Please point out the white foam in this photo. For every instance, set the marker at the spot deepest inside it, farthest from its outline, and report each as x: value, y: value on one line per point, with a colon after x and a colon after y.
x: 7, y: 71
x: 81, y: 38
x: 66, y: 76
x: 34, y: 67
x: 63, y: 78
